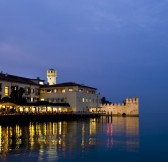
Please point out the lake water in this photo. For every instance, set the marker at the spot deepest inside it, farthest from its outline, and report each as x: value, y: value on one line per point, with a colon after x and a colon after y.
x: 88, y: 140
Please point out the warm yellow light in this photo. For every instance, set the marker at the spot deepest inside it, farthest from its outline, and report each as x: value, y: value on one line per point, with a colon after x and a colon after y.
x: 6, y: 91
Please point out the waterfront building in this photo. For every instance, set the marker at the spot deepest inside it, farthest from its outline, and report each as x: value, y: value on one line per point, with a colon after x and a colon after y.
x: 59, y: 97
x: 79, y: 96
x: 12, y: 82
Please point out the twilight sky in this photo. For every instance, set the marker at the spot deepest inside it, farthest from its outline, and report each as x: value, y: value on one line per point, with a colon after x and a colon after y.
x: 117, y: 46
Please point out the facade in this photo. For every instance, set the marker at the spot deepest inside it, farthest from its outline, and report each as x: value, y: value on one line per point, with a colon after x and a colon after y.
x: 80, y: 97
x: 31, y: 86
x: 61, y: 97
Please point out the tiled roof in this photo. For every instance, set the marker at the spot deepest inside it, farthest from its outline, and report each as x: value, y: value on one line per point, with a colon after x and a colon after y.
x: 17, y: 79
x: 67, y: 84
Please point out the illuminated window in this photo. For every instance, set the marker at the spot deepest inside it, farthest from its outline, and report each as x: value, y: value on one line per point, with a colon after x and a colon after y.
x: 14, y: 88
x: 83, y: 99
x: 49, y: 90
x: 42, y: 99
x: 41, y: 83
x: 32, y: 99
x: 32, y: 90
x: 63, y: 90
x: 55, y: 90
x: 70, y: 89
x: 6, y: 91
x: 42, y: 91
x: 27, y: 90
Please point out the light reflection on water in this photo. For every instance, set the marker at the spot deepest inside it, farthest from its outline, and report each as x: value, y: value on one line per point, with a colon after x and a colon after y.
x: 65, y: 140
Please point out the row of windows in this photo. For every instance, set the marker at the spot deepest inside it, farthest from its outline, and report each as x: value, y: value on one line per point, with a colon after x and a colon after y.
x: 64, y: 99
x: 32, y: 99
x: 28, y: 90
x: 87, y: 91
x: 90, y: 100
x: 54, y: 90
x: 62, y: 90
x: 56, y: 100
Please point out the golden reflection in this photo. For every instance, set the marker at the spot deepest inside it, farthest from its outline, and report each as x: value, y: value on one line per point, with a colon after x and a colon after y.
x: 93, y: 126
x: 83, y: 135
x: 51, y: 138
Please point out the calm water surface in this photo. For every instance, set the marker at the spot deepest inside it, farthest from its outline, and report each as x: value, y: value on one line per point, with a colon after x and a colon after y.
x: 117, y: 139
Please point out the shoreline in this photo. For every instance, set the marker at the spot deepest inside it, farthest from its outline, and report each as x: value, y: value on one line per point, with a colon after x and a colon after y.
x: 19, y: 118
x: 50, y: 117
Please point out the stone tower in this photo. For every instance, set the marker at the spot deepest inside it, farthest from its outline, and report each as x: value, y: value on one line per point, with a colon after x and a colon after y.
x: 51, y: 76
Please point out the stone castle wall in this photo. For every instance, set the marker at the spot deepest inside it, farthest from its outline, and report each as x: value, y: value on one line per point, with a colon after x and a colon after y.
x: 129, y: 107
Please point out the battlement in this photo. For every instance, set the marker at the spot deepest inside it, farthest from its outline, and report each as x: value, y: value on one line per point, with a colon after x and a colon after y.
x: 127, y: 101
x: 131, y: 100
x: 129, y: 107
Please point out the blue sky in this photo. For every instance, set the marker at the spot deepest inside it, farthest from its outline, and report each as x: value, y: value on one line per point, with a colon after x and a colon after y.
x: 117, y: 46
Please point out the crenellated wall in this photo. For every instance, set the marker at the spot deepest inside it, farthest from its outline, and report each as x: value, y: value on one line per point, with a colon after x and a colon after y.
x: 129, y: 107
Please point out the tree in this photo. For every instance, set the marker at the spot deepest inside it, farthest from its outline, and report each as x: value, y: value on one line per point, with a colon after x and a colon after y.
x: 14, y: 94
x: 17, y: 95
x: 104, y: 101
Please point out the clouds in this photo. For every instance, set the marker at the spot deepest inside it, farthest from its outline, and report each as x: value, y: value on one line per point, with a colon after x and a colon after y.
x: 116, y: 42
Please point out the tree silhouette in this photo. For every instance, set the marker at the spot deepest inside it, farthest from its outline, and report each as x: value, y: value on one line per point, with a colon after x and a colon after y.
x: 104, y: 101
x: 17, y: 95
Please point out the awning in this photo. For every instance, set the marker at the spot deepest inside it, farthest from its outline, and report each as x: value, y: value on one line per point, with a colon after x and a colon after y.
x: 7, y: 104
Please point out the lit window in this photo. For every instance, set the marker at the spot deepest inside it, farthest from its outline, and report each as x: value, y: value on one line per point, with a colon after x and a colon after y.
x: 6, y: 91
x: 42, y: 99
x: 32, y: 99
x: 32, y: 90
x: 49, y: 90
x: 63, y: 90
x: 41, y: 83
x: 83, y: 99
x: 70, y: 89
x: 55, y: 90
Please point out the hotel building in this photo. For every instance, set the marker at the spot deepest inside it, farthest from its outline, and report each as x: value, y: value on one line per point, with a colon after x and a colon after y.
x: 78, y: 97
